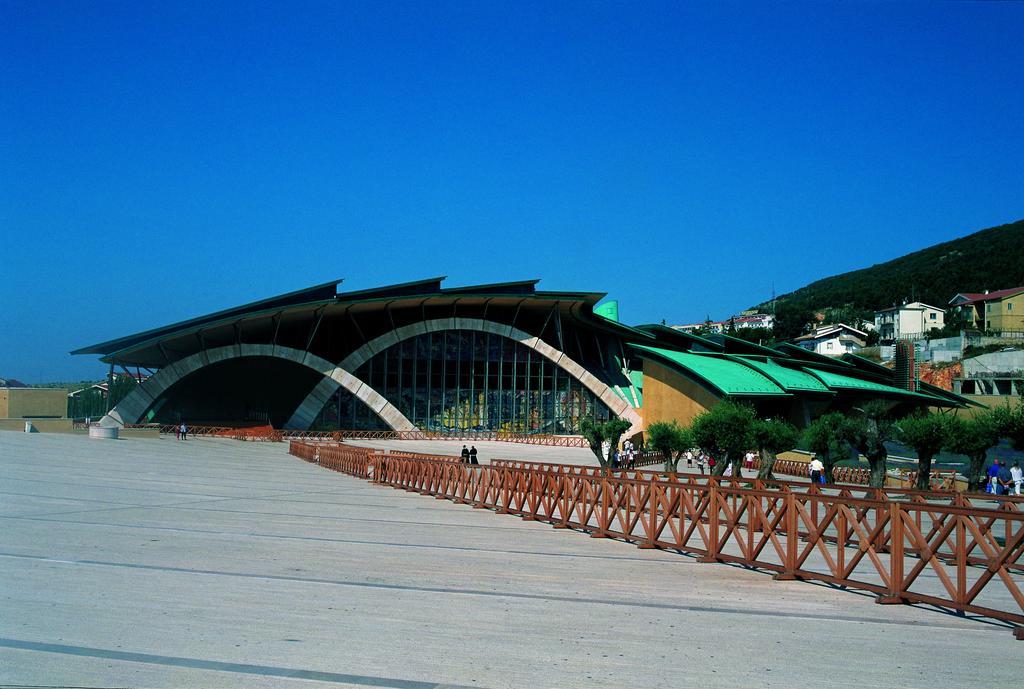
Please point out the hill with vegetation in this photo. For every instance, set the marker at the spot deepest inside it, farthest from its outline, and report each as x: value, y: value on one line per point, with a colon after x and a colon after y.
x: 991, y: 259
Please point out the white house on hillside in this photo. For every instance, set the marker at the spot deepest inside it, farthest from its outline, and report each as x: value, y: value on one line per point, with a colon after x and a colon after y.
x: 908, y: 321
x: 833, y: 340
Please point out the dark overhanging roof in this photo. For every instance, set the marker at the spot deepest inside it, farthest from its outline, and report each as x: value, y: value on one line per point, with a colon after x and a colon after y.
x: 327, y: 290
x: 326, y: 294
x: 680, y: 338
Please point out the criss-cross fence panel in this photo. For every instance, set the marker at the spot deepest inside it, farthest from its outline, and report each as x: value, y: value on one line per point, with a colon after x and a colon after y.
x: 903, y: 545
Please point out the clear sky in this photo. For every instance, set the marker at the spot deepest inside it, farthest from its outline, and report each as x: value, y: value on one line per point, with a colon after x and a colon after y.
x: 163, y: 160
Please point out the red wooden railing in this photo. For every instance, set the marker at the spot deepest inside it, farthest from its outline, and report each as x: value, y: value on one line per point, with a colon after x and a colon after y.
x: 881, y: 542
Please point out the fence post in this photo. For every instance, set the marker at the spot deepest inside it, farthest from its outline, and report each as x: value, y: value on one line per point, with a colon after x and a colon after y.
x: 601, y: 511
x: 712, y: 549
x: 788, y: 572
x: 652, y: 515
x: 893, y: 595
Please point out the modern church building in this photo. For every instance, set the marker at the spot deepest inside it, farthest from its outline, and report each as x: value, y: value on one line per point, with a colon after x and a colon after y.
x: 499, y: 357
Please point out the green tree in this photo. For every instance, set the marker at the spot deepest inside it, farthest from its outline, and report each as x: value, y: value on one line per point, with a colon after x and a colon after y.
x: 1010, y: 421
x: 770, y: 437
x: 927, y: 433
x: 825, y: 438
x: 606, y: 432
x: 755, y: 335
x: 791, y: 320
x: 868, y: 431
x: 668, y: 438
x: 724, y: 432
x: 973, y: 438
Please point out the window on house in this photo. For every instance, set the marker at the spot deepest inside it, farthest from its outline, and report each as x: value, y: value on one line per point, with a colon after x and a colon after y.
x: 828, y: 345
x: 931, y: 316
x: 1009, y: 306
x: 988, y: 308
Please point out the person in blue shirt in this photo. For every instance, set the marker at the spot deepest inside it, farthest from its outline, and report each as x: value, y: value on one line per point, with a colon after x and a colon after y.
x: 992, y: 475
x: 1005, y: 478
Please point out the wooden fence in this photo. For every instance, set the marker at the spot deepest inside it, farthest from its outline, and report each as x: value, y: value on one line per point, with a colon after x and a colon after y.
x: 880, y: 540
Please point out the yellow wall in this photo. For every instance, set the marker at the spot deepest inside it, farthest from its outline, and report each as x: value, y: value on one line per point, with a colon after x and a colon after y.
x: 1007, y: 314
x: 669, y: 396
x: 40, y: 425
x: 20, y: 403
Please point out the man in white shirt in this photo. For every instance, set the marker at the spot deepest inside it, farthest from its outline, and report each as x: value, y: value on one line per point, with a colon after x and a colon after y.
x: 816, y: 467
x: 1017, y: 476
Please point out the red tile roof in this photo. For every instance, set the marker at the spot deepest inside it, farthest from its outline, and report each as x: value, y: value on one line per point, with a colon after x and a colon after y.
x: 973, y: 297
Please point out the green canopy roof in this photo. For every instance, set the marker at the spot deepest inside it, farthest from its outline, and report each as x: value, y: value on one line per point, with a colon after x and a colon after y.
x: 790, y: 379
x: 728, y: 376
x: 838, y: 381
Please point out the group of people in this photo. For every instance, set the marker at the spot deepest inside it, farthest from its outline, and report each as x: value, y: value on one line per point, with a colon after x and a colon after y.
x: 1003, y: 481
x: 625, y: 458
x: 181, y: 432
x: 703, y: 459
x: 469, y: 455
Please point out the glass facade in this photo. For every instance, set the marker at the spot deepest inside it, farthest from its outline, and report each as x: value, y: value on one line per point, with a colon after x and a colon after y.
x: 462, y: 380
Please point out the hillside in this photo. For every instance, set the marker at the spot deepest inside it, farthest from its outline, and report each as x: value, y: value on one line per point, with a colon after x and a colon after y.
x: 989, y: 259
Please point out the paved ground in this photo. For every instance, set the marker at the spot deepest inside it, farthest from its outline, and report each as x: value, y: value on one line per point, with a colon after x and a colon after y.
x: 214, y: 563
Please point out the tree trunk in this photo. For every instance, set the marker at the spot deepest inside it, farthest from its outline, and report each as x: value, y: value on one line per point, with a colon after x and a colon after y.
x: 877, y: 463
x: 737, y: 467
x: 767, y: 465
x: 828, y: 461
x: 596, y: 449
x: 720, y: 465
x: 670, y: 461
x: 975, y: 479
x: 924, y: 471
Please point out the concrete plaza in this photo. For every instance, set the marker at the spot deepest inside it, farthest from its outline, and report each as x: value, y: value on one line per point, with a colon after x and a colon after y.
x: 216, y: 563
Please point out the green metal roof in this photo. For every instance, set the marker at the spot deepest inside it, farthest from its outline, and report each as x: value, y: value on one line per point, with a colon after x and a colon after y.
x: 841, y: 382
x: 728, y: 376
x: 787, y: 378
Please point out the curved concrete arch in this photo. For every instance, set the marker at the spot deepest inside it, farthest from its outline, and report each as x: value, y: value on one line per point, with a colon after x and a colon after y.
x: 361, y: 355
x: 131, y: 408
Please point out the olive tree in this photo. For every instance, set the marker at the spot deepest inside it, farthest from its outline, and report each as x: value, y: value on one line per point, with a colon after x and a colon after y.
x: 598, y: 433
x: 1010, y: 421
x: 868, y: 431
x: 927, y: 433
x: 825, y: 438
x: 668, y: 438
x: 770, y: 437
x: 973, y: 438
x: 725, y: 433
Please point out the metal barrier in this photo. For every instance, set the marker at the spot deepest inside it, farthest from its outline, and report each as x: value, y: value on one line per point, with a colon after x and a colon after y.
x: 878, y: 543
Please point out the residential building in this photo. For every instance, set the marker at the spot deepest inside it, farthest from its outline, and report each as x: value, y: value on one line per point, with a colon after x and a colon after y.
x: 999, y: 311
x: 746, y: 320
x: 833, y: 340
x: 908, y: 321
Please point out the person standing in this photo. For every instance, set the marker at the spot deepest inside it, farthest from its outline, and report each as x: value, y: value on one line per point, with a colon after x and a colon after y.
x: 702, y: 460
x: 184, y: 431
x: 1017, y: 476
x: 816, y: 468
x: 177, y: 432
x: 993, y: 478
x: 1005, y: 478
x: 465, y: 455
x: 472, y: 455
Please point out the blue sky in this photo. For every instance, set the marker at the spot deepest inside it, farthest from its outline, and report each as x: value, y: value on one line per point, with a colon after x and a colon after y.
x: 163, y: 160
